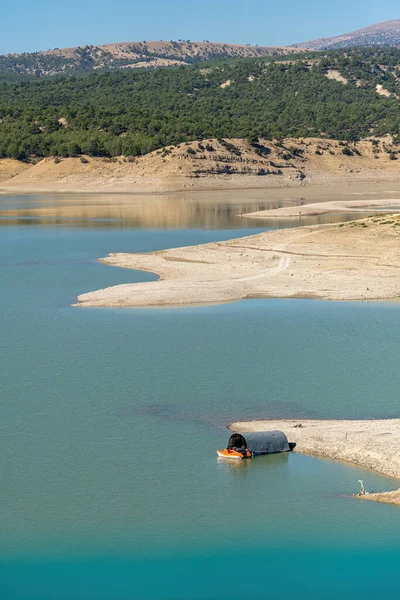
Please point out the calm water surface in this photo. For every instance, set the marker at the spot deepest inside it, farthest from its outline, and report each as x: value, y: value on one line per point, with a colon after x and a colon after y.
x: 110, y: 487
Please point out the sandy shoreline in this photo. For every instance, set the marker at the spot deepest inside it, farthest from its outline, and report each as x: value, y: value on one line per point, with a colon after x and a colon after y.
x: 347, y: 261
x: 371, y: 444
x: 355, y: 207
x: 159, y: 185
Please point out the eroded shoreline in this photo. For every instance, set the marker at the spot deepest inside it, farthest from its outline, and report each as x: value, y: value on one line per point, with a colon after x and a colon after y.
x: 371, y: 444
x: 232, y: 164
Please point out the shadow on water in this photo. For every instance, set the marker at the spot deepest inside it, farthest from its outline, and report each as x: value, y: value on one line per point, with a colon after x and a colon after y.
x: 178, y: 413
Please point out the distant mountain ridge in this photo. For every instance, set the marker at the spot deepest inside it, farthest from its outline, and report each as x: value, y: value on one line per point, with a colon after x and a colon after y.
x: 152, y: 54
x: 129, y: 55
x: 380, y: 34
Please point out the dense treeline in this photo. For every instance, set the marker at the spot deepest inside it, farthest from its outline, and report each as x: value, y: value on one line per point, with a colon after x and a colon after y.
x: 132, y: 113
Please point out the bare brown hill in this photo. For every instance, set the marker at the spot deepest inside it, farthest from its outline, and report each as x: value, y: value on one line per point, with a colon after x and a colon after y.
x: 129, y: 55
x: 214, y: 164
x: 9, y: 168
x: 380, y: 34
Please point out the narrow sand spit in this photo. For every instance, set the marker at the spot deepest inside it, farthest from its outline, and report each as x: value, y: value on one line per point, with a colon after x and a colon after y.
x: 346, y: 261
x: 371, y: 444
x: 323, y: 208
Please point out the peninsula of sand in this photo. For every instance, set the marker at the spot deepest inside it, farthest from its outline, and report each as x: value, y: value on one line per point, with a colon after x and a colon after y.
x: 373, y: 444
x: 357, y: 260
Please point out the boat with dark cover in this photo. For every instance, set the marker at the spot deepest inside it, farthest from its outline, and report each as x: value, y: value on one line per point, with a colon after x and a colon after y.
x: 253, y: 443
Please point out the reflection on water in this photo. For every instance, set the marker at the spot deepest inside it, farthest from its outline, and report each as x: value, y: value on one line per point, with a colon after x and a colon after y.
x: 266, y: 461
x: 208, y: 211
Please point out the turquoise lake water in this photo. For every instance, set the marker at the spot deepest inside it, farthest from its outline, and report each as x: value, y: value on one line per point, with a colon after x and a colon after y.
x: 110, y: 485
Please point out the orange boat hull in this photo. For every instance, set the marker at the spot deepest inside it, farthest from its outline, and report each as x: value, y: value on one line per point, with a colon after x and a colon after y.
x: 226, y: 453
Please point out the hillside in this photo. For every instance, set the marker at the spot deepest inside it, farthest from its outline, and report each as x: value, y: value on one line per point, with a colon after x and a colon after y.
x: 212, y: 164
x: 346, y: 96
x: 380, y: 34
x: 128, y: 55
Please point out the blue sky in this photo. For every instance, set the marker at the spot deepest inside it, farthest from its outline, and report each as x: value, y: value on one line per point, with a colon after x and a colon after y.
x: 28, y: 25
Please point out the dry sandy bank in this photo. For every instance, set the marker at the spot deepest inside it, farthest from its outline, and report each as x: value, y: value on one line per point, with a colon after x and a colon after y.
x: 215, y: 164
x: 346, y: 261
x: 372, y: 444
x: 10, y: 168
x: 330, y: 207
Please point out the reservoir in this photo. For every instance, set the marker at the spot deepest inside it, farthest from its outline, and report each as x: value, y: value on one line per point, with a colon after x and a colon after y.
x: 110, y: 484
